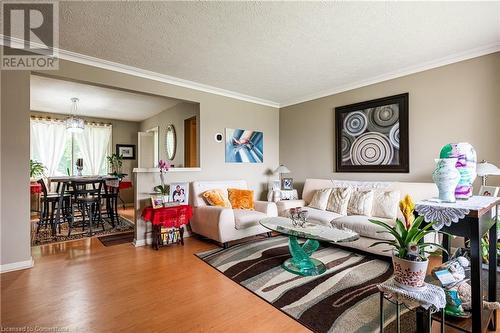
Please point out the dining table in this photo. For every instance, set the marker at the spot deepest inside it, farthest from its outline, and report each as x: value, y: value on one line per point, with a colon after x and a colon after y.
x: 64, y: 181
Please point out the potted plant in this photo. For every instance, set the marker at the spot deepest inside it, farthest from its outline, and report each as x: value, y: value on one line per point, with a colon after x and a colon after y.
x: 115, y: 162
x: 37, y: 169
x: 163, y: 189
x: 409, y: 257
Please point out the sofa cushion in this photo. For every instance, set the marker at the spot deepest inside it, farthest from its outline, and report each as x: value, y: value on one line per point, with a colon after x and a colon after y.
x: 339, y: 199
x: 244, y: 218
x: 241, y: 199
x: 217, y: 197
x: 363, y: 226
x: 322, y: 216
x: 320, y: 198
x: 360, y: 203
x: 385, y: 204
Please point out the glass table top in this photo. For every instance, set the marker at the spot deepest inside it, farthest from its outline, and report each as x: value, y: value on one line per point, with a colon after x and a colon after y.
x: 311, y: 230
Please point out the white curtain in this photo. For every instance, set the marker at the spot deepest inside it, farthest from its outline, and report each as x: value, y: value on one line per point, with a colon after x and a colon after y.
x: 94, y: 145
x: 48, y: 139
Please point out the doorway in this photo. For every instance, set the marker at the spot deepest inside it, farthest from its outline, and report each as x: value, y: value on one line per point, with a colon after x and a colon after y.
x: 190, y: 142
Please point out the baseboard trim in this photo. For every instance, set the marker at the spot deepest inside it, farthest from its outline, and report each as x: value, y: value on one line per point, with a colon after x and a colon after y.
x: 15, y: 266
x: 142, y: 242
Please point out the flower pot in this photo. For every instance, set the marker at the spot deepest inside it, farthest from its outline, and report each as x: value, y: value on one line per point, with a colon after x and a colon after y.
x: 409, y: 274
x: 466, y: 166
x: 446, y: 176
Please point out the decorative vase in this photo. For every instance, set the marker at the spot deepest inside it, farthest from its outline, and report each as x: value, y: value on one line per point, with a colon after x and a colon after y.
x: 446, y: 176
x: 466, y: 165
x: 409, y: 274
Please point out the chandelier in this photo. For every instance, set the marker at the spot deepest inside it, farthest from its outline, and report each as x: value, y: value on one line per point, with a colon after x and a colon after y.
x: 73, y: 123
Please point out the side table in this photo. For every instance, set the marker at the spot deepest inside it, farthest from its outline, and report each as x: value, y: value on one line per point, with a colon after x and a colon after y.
x: 174, y: 217
x: 428, y: 299
x: 471, y: 219
x: 278, y: 195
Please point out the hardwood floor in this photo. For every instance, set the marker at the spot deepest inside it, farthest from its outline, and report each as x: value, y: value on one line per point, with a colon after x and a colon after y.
x: 82, y: 286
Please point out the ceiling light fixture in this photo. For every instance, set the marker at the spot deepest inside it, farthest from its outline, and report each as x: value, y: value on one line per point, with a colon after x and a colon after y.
x: 74, y: 124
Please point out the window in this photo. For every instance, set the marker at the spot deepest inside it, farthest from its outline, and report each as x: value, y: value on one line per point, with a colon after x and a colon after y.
x: 58, y: 149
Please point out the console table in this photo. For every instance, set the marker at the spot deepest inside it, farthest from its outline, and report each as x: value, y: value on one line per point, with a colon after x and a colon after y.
x: 471, y: 219
x: 175, y: 217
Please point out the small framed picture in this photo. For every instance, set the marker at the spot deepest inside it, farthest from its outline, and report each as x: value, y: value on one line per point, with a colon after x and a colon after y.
x: 489, y: 191
x: 127, y: 151
x: 179, y: 192
x: 287, y: 184
x: 157, y: 201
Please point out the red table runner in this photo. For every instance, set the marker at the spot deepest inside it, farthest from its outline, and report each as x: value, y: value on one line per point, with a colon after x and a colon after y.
x: 173, y: 216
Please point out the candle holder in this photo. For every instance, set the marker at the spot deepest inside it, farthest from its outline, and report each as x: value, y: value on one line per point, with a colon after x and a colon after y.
x: 79, y: 167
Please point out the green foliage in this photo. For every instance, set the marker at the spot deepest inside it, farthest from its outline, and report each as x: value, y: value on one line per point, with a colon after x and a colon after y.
x: 37, y: 169
x: 115, y: 162
x: 406, y: 239
x: 163, y: 189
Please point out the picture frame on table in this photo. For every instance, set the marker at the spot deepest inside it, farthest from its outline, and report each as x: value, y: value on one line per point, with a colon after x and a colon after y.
x: 489, y: 191
x: 126, y: 151
x: 157, y: 201
x: 287, y: 184
x: 179, y: 193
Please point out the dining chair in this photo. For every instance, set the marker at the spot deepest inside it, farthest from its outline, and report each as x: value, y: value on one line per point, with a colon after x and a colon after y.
x: 52, y: 204
x: 110, y: 194
x: 87, y: 198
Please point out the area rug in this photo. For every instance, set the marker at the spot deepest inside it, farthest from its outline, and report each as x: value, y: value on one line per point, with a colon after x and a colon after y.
x: 117, y: 239
x: 343, y: 299
x: 44, y: 236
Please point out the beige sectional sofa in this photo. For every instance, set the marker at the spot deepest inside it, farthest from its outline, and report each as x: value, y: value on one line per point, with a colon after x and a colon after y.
x: 359, y: 223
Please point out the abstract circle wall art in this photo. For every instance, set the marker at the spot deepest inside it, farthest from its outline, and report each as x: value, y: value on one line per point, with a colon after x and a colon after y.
x: 372, y: 136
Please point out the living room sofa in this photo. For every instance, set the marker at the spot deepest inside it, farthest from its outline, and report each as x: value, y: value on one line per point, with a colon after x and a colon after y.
x: 226, y: 224
x: 359, y: 223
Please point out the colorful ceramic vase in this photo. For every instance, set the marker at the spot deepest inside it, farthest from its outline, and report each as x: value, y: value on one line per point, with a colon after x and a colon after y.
x: 446, y: 176
x: 409, y: 274
x: 466, y: 165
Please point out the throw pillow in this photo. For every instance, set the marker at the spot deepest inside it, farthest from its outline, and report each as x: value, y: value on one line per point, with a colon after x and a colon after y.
x: 385, y: 204
x: 339, y: 199
x: 360, y: 203
x: 320, y: 198
x: 241, y: 199
x: 217, y: 197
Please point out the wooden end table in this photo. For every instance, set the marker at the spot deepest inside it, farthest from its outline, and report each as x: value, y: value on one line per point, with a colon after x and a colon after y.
x: 173, y: 217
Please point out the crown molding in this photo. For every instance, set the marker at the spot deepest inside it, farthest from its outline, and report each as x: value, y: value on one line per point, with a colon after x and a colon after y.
x: 134, y: 71
x: 457, y: 57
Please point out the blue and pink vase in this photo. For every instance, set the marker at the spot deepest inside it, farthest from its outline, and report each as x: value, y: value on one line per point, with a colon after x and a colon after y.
x: 466, y: 165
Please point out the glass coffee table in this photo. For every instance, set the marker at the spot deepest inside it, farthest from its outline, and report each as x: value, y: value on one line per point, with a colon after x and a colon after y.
x: 301, y: 262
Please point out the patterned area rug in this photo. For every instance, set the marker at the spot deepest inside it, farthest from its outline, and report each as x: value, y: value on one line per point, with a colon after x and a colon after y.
x: 117, y: 239
x: 44, y: 235
x: 343, y: 299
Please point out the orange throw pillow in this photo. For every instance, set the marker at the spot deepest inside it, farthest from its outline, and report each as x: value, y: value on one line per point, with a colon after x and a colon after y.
x: 241, y: 199
x: 217, y: 198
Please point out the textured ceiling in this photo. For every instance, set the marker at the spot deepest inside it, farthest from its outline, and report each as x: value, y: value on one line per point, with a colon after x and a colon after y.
x: 53, y: 95
x: 278, y: 51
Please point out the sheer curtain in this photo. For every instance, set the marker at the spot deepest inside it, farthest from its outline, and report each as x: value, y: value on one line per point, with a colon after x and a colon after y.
x: 47, y: 143
x: 95, y: 145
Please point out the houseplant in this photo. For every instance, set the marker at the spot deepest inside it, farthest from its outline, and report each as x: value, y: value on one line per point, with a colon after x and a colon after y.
x: 409, y: 257
x: 115, y: 162
x: 37, y: 170
x: 163, y: 189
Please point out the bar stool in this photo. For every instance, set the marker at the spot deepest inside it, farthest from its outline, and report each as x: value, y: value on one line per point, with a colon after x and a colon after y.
x: 87, y: 197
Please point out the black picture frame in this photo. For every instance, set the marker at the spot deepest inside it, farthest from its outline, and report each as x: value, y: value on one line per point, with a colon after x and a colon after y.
x: 344, y: 163
x: 126, y: 157
x: 287, y: 184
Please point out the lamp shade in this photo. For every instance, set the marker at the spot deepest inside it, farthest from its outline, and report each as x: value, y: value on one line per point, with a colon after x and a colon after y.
x: 282, y: 169
x: 486, y: 169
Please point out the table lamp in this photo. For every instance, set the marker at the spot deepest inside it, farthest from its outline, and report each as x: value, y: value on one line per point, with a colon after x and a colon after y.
x: 485, y: 169
x: 281, y: 170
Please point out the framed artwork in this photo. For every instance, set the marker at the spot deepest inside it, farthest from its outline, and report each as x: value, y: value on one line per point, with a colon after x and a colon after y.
x: 287, y: 184
x: 179, y: 193
x: 157, y: 201
x: 127, y: 151
x: 488, y: 191
x: 244, y: 146
x: 372, y: 136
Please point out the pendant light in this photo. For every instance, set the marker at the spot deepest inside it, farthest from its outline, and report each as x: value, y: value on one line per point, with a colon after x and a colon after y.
x: 74, y: 124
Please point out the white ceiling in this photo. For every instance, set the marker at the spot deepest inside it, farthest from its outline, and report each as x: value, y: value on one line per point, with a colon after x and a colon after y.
x: 54, y: 96
x: 283, y: 52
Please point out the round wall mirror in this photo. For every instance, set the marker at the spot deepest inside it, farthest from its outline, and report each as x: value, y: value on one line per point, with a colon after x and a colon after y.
x: 171, y: 142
